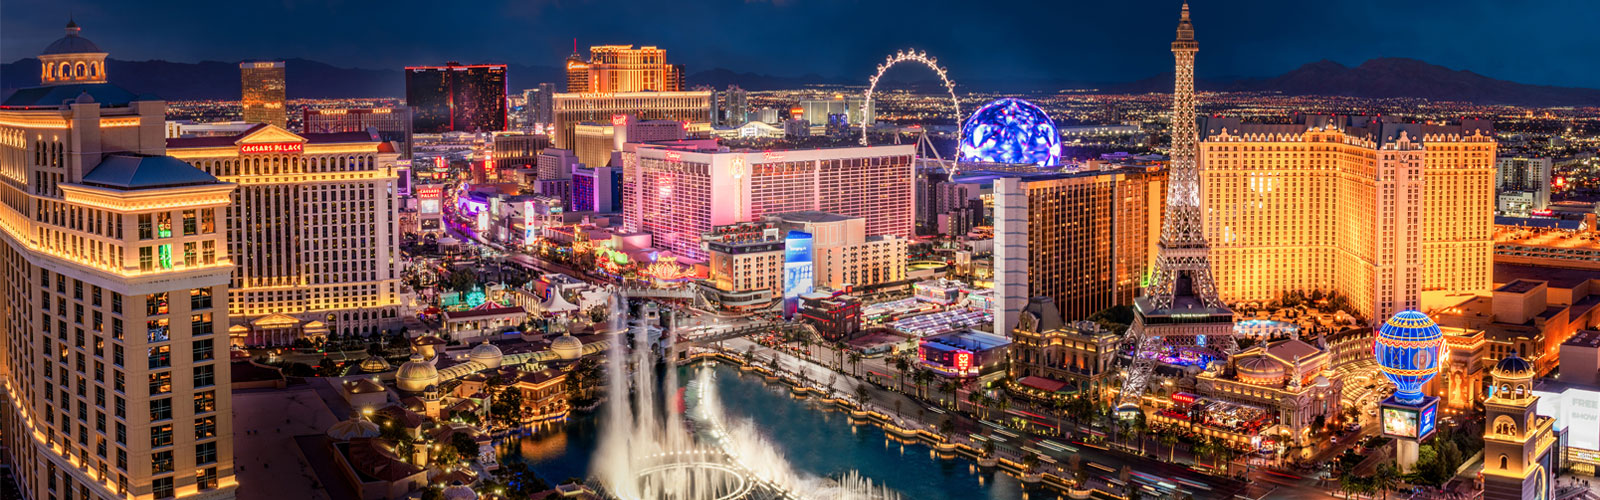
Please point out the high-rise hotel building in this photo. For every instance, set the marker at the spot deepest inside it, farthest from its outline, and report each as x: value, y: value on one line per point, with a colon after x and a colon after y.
x: 680, y: 193
x: 313, y: 227
x: 263, y: 93
x: 1087, y: 240
x: 100, y: 235
x: 1390, y: 215
x: 393, y: 124
x: 457, y: 98
x: 622, y: 68
x: 691, y: 107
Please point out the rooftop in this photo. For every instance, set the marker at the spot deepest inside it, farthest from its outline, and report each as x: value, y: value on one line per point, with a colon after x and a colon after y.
x: 1546, y: 237
x: 106, y: 94
x: 1564, y: 279
x: 1519, y: 286
x: 813, y: 216
x: 130, y: 171
x: 1584, y: 338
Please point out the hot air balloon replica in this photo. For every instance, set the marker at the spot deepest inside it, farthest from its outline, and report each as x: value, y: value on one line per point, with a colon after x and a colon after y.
x: 1407, y: 349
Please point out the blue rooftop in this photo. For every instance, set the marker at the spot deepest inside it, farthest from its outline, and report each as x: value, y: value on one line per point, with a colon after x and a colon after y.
x: 128, y: 171
x: 106, y: 94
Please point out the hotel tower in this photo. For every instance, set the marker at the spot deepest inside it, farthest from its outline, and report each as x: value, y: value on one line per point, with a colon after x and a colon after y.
x: 103, y: 234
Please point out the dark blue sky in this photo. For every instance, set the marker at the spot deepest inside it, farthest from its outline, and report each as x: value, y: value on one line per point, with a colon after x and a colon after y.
x: 1532, y: 41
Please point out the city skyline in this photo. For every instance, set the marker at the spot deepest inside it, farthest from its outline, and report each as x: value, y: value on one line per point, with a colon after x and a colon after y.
x: 761, y: 37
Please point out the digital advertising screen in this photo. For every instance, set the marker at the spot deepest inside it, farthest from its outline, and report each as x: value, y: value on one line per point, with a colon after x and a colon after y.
x: 1429, y: 417
x: 1399, y: 422
x: 797, y: 269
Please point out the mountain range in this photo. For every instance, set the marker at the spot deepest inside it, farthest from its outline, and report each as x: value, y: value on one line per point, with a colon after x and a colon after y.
x: 1376, y: 78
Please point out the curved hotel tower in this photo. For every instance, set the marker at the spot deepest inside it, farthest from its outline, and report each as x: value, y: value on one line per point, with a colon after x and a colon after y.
x: 109, y: 249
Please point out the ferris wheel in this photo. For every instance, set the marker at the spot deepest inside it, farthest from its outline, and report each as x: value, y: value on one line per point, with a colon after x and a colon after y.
x: 915, y: 57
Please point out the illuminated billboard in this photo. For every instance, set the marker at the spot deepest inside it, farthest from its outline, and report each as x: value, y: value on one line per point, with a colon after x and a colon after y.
x: 1412, y: 421
x: 429, y: 198
x: 1399, y: 422
x: 797, y: 269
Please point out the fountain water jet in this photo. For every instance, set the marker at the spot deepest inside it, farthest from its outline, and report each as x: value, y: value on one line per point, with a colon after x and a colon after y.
x: 648, y: 451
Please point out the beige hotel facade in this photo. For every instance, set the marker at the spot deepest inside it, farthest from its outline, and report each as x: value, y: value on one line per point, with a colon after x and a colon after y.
x: 115, y: 371
x: 1390, y: 215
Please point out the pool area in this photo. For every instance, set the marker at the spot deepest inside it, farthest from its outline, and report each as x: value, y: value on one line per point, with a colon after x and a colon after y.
x: 1263, y: 328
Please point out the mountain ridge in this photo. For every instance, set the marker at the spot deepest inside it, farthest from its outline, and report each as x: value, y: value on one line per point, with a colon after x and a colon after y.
x: 1392, y: 77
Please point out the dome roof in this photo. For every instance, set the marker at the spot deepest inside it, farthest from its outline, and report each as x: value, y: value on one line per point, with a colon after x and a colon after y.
x: 1410, y: 324
x: 1321, y: 381
x: 72, y: 43
x: 1513, y: 366
x: 567, y: 347
x: 374, y: 364
x: 416, y: 374
x: 487, y: 354
x: 354, y: 428
x: 1259, y: 367
x: 459, y: 492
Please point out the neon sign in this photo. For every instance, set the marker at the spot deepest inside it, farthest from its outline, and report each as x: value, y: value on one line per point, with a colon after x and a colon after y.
x: 619, y: 120
x: 274, y: 147
x: 674, y: 156
x: 769, y: 156
x: 963, y: 361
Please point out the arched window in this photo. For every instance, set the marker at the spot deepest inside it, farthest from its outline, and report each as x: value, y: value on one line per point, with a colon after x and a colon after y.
x: 1502, y: 462
x: 80, y: 70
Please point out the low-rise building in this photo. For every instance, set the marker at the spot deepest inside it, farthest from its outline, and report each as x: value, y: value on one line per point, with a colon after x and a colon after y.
x: 965, y: 354
x: 1291, y: 380
x: 835, y: 315
x: 844, y: 256
x: 1049, y: 356
x: 746, y: 265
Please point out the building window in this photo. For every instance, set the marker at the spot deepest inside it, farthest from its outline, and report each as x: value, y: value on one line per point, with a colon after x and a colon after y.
x: 160, y: 463
x: 200, y: 298
x: 161, y: 435
x: 205, y: 453
x: 163, y: 486
x: 160, y: 383
x: 208, y: 217
x: 157, y: 330
x: 206, y: 479
x: 160, y: 409
x: 200, y: 324
x: 147, y: 260
x: 205, y: 376
x: 190, y: 257
x: 205, y: 401
x: 156, y: 304
x: 160, y: 356
x: 205, y: 427
x: 164, y: 256
x: 190, y: 225
x: 203, y: 350
x: 145, y: 228
x: 164, y: 225
x: 208, y: 252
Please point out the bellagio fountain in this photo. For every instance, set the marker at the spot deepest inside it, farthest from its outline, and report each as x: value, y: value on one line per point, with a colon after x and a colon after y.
x: 653, y: 448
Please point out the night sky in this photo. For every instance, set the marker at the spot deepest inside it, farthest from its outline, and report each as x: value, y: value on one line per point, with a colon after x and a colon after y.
x: 1550, y: 42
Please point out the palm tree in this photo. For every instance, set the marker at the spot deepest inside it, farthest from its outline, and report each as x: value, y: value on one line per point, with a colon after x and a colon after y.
x: 1202, y: 448
x: 948, y: 388
x: 1059, y: 407
x: 1387, y: 478
x: 855, y: 363
x: 1002, y: 403
x: 1029, y: 463
x: 1139, y: 428
x: 900, y: 366
x: 988, y: 448
x: 863, y: 395
x: 1171, y: 441
x: 975, y: 398
x: 922, y: 378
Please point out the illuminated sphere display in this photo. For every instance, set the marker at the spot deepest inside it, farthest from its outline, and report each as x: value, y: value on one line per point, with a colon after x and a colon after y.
x: 1407, y: 350
x: 1011, y: 131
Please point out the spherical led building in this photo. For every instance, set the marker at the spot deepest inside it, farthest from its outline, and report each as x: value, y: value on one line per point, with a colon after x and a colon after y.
x: 1010, y: 131
x: 1407, y: 350
x: 415, y: 375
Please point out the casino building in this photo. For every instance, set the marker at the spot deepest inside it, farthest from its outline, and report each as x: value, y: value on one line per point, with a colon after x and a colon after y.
x: 313, y: 226
x: 109, y: 252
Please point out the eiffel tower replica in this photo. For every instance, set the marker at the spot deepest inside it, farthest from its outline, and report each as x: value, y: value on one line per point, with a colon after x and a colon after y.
x: 1179, y: 309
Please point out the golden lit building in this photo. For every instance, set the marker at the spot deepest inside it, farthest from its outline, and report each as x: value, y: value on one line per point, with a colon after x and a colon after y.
x: 692, y: 108
x: 745, y: 262
x: 263, y: 93
x: 313, y: 226
x: 1087, y: 240
x: 1518, y: 462
x: 1048, y: 353
x: 1291, y: 379
x: 622, y: 68
x: 1391, y: 216
x: 109, y: 249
